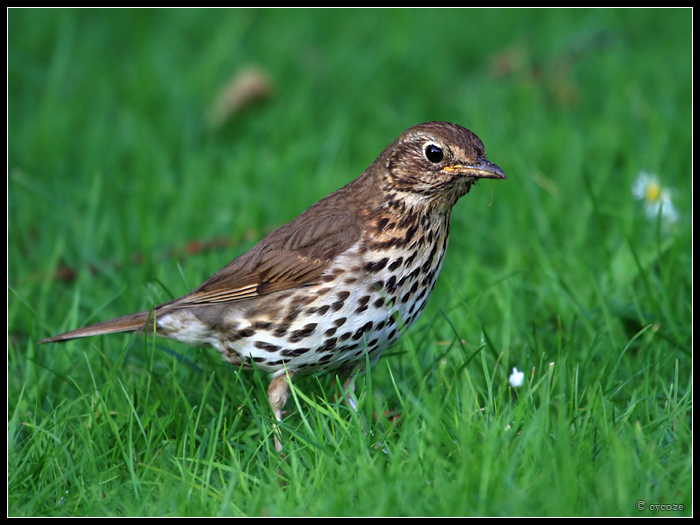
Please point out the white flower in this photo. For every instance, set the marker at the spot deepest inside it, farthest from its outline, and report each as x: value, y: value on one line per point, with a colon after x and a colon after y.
x: 657, y: 199
x: 516, y: 378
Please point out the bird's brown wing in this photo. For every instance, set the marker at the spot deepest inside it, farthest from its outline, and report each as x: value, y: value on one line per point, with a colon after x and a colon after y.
x: 289, y: 257
x: 294, y: 255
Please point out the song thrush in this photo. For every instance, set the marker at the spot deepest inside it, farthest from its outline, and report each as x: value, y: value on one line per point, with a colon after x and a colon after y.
x: 342, y: 280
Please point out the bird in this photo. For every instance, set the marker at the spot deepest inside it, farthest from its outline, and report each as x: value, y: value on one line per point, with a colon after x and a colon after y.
x: 331, y: 290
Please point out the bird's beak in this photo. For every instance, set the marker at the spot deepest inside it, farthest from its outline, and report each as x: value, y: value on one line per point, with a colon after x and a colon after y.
x: 482, y: 169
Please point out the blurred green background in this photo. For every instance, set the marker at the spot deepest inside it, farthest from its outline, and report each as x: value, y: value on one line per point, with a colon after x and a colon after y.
x: 129, y: 184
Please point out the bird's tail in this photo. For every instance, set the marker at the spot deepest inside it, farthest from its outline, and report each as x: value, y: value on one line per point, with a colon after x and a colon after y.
x: 129, y: 323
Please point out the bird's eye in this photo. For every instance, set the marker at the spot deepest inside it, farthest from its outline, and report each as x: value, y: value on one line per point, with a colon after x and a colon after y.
x: 433, y: 153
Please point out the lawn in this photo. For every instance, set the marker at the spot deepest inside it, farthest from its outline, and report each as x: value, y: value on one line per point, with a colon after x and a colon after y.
x: 129, y: 184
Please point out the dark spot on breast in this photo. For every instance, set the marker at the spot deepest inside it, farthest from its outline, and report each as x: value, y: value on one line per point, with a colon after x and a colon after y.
x: 295, y: 352
x: 303, y: 333
x: 323, y: 309
x: 410, y: 233
x: 429, y: 261
x: 262, y: 345
x: 376, y: 265
x: 328, y: 344
x: 337, y: 305
x: 396, y: 264
x: 366, y: 328
x: 411, y: 259
x: 362, y: 304
x: 292, y: 314
x: 390, y: 285
x: 281, y: 330
x: 240, y: 334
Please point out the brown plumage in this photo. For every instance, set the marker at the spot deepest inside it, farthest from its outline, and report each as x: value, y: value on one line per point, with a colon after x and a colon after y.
x: 343, y: 279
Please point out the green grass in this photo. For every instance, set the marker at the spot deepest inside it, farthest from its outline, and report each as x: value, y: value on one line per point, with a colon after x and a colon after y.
x: 113, y: 173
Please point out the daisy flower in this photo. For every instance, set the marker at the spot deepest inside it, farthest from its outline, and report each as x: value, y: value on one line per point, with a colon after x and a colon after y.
x: 656, y: 198
x: 516, y: 378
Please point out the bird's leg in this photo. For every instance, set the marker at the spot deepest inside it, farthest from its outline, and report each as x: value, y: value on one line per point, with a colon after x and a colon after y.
x: 278, y: 394
x: 348, y: 387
